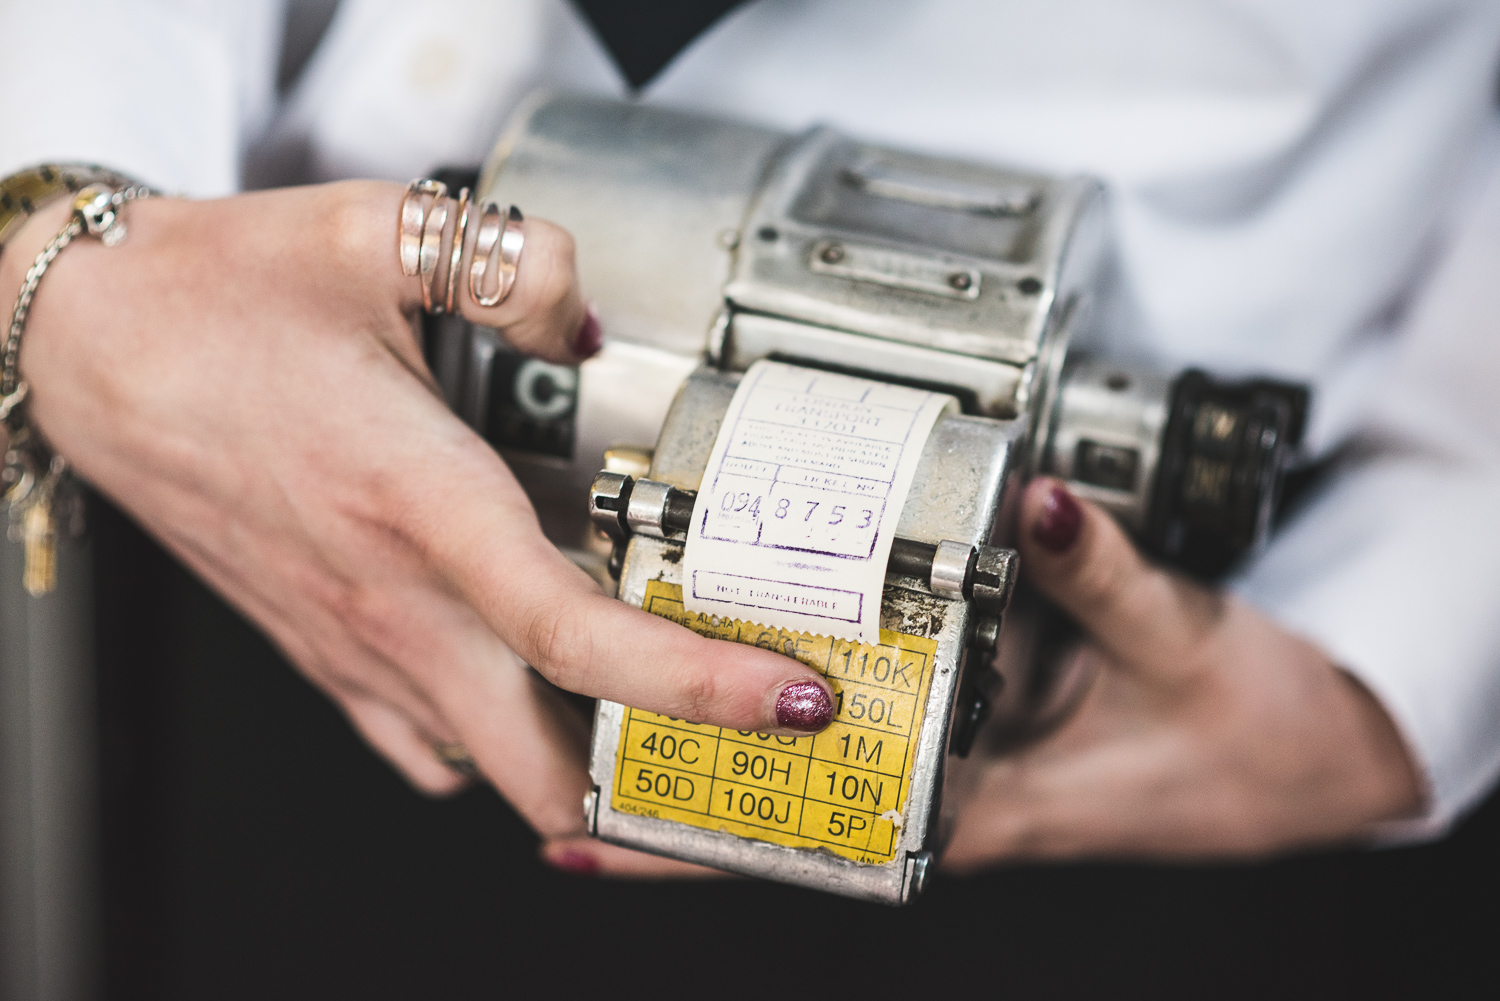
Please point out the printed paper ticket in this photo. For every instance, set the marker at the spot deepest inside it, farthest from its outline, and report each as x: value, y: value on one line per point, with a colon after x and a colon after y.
x: 800, y: 499
x: 844, y: 790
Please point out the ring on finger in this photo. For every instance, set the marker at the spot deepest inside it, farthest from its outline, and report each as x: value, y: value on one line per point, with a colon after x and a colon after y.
x: 458, y: 758
x: 458, y: 249
x: 431, y: 248
x: 500, y: 231
x: 410, y: 227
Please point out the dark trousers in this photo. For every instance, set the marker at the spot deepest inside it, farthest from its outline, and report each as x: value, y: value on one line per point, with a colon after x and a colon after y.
x: 256, y: 849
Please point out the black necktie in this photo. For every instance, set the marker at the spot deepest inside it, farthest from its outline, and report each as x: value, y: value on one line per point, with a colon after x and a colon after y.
x: 644, y: 35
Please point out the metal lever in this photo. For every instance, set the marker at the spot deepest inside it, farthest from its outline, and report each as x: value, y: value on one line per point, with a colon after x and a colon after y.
x: 623, y: 506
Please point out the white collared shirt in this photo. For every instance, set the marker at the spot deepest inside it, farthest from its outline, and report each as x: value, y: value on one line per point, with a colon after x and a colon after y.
x: 1305, y: 190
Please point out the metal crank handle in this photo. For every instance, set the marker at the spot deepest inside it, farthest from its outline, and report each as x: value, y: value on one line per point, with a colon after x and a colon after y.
x: 624, y: 506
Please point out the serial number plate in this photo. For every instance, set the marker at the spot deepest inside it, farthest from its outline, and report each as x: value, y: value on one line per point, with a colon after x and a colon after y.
x: 844, y: 790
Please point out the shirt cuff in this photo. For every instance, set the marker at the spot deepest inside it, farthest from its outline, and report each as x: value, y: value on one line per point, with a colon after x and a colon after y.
x: 1395, y: 573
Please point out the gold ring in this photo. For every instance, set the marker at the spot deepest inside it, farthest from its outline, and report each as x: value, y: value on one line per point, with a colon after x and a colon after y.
x: 510, y: 239
x: 409, y: 224
x: 458, y: 248
x: 458, y: 758
x: 432, y: 247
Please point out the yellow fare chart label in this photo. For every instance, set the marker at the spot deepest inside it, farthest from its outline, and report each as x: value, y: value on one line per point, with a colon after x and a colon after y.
x: 843, y: 790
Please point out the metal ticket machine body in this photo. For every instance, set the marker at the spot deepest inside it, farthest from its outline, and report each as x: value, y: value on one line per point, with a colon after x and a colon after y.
x: 708, y: 245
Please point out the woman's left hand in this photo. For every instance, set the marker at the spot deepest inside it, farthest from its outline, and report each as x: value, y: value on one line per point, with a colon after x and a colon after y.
x: 1207, y: 731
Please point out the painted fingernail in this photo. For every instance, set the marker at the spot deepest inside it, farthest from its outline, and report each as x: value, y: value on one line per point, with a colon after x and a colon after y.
x: 804, y: 705
x: 590, y: 336
x: 575, y: 863
x: 1057, y: 529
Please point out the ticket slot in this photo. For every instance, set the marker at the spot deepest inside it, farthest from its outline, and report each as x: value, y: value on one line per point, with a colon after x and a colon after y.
x: 982, y: 574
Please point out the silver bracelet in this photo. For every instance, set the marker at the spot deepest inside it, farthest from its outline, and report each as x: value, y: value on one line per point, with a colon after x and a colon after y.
x: 36, y: 478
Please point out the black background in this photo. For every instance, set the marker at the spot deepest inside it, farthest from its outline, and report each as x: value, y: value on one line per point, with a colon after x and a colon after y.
x: 256, y: 849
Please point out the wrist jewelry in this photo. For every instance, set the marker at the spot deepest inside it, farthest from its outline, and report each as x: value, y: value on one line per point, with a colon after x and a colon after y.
x: 26, y: 193
x: 39, y: 492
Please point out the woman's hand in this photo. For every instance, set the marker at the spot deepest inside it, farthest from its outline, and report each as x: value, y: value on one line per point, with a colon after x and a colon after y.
x: 1207, y: 731
x: 241, y: 376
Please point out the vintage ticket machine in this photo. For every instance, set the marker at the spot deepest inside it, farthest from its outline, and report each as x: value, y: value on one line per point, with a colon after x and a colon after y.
x: 716, y: 248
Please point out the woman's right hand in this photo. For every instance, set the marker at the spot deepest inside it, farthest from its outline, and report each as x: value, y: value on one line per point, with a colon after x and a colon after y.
x: 241, y: 376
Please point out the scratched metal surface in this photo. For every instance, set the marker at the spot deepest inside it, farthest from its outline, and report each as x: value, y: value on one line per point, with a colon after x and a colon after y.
x: 957, y: 495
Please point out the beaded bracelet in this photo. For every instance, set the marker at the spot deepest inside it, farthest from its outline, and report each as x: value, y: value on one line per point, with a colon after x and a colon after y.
x: 27, y: 192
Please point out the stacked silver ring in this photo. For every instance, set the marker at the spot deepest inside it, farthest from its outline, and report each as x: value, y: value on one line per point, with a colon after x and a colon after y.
x: 423, y: 220
x: 498, y: 233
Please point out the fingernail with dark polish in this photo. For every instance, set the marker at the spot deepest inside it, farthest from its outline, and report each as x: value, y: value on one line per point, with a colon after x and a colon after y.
x: 590, y: 336
x: 1057, y: 529
x: 804, y: 705
x: 575, y: 863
